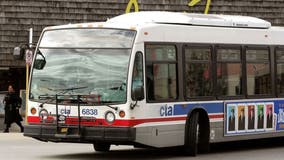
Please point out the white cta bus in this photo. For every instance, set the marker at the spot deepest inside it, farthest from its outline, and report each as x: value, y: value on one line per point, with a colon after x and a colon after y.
x: 158, y: 79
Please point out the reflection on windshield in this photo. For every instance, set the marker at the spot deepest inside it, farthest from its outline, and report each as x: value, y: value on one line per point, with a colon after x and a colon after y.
x: 82, y: 72
x: 88, y: 38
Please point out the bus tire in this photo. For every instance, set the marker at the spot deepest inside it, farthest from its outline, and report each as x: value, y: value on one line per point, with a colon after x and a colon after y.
x: 204, y: 134
x: 101, y: 147
x: 191, y: 139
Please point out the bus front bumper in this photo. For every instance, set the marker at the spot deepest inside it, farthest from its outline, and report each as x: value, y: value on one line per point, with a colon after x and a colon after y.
x: 114, y: 135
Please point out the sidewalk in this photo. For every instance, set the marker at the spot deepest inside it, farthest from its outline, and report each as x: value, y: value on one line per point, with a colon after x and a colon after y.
x: 14, y: 136
x: 14, y: 126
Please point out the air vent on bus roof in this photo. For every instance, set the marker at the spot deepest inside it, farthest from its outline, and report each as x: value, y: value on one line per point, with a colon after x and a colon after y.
x: 228, y: 21
x: 192, y: 19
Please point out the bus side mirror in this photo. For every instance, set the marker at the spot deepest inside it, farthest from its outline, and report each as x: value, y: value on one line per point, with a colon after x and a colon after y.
x: 18, y: 53
x: 40, y: 61
x: 138, y: 93
x: 39, y: 64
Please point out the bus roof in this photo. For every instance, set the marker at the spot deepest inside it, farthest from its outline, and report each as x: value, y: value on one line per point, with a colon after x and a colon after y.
x: 163, y: 17
x: 144, y: 18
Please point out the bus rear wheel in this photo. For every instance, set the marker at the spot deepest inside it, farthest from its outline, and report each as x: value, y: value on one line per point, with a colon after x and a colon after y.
x: 192, y: 136
x: 101, y: 147
x: 197, y: 134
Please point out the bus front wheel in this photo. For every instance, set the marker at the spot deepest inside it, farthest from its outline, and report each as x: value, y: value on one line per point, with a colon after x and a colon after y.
x: 101, y: 147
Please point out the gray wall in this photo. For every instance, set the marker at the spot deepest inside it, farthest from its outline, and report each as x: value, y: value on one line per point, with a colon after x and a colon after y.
x: 17, y: 16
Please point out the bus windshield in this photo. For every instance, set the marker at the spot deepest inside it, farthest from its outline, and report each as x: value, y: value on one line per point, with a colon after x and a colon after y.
x: 83, y: 62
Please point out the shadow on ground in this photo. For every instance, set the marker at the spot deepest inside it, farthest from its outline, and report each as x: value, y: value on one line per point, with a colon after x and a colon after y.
x: 170, y: 153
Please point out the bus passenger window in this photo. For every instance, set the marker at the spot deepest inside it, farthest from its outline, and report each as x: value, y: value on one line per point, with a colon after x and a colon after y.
x: 280, y: 71
x: 161, y: 73
x: 229, y: 72
x: 165, y: 81
x: 198, y: 72
x: 258, y: 72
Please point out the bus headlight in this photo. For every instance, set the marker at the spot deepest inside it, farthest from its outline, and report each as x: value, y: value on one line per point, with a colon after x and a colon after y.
x: 43, y: 114
x: 61, y: 118
x: 110, y: 117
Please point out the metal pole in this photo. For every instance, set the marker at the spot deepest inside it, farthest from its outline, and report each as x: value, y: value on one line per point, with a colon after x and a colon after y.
x: 31, y: 38
x: 79, y: 114
x: 56, y: 106
x: 27, y: 90
x: 27, y: 74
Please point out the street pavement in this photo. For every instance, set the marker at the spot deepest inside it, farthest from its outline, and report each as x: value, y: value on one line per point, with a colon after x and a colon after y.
x: 14, y: 146
x: 14, y: 127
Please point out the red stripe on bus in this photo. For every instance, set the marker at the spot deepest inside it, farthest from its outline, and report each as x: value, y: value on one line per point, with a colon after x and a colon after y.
x: 118, y: 122
x: 216, y: 116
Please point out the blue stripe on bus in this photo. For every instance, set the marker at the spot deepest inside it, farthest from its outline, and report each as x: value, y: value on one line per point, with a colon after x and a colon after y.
x: 180, y: 109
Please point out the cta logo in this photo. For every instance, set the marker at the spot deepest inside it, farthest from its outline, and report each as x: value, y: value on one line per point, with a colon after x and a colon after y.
x: 65, y: 111
x: 166, y: 111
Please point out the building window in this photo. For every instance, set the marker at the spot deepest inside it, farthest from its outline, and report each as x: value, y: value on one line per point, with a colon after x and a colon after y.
x: 198, y: 72
x: 161, y: 72
x: 229, y: 72
x: 280, y: 71
x: 258, y: 72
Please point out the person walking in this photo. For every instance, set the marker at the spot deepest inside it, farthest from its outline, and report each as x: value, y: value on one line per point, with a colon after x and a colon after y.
x: 12, y: 104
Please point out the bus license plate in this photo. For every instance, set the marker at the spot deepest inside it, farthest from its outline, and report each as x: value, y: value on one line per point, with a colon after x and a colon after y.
x: 64, y: 130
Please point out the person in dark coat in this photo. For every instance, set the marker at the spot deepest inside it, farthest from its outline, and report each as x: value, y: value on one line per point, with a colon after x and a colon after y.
x: 269, y: 119
x: 260, y: 119
x: 251, y: 119
x: 12, y: 104
x: 232, y: 120
x: 242, y: 120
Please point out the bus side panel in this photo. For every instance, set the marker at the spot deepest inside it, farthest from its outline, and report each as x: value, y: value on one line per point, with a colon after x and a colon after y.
x: 159, y: 134
x: 164, y: 123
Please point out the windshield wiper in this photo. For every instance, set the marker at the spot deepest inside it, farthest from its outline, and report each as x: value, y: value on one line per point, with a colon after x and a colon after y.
x: 47, y: 98
x: 121, y: 87
x: 65, y: 90
x: 104, y: 103
x: 115, y: 108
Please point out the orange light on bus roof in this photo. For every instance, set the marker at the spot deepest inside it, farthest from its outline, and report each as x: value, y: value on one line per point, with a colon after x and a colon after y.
x: 100, y: 25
